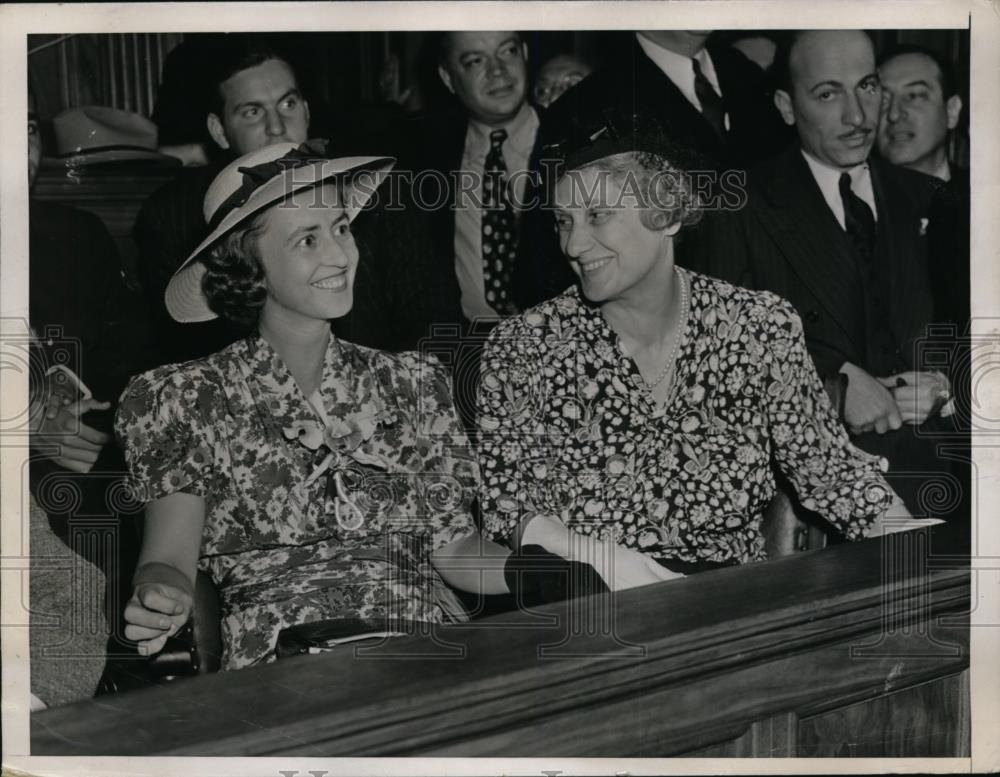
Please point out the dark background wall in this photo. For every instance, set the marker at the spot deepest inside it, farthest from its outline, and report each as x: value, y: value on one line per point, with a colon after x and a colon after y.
x: 340, y: 70
x: 343, y: 68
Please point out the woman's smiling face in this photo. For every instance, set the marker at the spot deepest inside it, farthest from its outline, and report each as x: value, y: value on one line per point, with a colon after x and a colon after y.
x: 309, y: 256
x: 599, y: 221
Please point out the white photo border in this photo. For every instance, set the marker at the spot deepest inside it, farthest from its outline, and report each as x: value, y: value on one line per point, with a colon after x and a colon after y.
x: 18, y: 21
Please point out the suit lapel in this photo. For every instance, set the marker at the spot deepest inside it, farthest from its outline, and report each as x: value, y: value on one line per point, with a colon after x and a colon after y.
x: 444, y: 139
x: 679, y: 117
x: 808, y: 235
x: 902, y: 254
x: 455, y: 143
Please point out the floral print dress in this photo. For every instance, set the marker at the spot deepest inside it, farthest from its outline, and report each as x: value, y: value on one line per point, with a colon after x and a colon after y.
x: 569, y: 428
x: 235, y: 429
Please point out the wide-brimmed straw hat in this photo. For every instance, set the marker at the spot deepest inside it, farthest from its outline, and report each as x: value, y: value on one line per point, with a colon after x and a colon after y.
x: 96, y: 134
x: 255, y: 182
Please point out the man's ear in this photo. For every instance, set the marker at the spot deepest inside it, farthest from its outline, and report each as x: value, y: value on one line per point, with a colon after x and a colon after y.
x: 305, y: 105
x: 217, y: 131
x: 445, y: 78
x: 524, y: 50
x: 953, y: 109
x: 783, y: 102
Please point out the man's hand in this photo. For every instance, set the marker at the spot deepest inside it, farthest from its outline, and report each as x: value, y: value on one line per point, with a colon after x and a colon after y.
x: 155, y: 611
x: 918, y: 395
x: 60, y: 425
x: 868, y: 406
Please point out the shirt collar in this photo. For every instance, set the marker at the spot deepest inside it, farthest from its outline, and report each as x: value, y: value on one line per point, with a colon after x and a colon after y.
x: 520, y: 130
x: 678, y: 68
x: 828, y: 180
x: 824, y: 174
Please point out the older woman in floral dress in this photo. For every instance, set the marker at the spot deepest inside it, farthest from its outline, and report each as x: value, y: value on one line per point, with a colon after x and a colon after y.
x: 638, y: 417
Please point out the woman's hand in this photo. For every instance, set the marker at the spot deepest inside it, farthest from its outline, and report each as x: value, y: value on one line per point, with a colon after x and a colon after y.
x: 620, y: 568
x: 631, y: 569
x: 155, y: 612
x: 163, y: 586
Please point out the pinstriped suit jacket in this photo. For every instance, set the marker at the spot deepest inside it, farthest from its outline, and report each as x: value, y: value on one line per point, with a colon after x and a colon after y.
x: 787, y: 240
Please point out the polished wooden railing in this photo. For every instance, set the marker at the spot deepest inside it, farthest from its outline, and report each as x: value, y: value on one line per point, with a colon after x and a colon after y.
x: 855, y: 650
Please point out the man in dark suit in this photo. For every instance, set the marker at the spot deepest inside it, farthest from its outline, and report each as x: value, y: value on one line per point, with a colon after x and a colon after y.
x: 921, y: 112
x: 471, y: 164
x: 399, y: 290
x: 91, y: 333
x: 922, y: 109
x: 478, y: 154
x: 841, y: 236
x: 709, y: 98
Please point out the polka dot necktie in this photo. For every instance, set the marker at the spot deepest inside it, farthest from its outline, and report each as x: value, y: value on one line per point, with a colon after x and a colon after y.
x: 498, y: 233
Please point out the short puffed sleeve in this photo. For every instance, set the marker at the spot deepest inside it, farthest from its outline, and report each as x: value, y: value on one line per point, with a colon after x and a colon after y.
x: 166, y: 426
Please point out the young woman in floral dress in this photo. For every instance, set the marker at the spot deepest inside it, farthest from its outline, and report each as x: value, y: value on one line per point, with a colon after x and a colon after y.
x: 311, y: 478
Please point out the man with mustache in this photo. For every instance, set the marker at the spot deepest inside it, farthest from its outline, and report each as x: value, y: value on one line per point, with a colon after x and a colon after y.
x: 842, y: 236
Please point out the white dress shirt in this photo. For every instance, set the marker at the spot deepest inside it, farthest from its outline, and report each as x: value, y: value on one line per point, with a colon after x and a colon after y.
x: 680, y: 71
x: 828, y: 180
x: 521, y: 131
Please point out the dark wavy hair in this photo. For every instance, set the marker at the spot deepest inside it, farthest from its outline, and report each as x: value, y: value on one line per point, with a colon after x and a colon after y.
x: 946, y: 70
x: 235, y: 52
x: 233, y: 283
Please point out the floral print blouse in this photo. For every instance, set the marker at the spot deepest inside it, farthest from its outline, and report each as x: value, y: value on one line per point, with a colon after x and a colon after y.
x: 569, y: 428
x: 229, y: 428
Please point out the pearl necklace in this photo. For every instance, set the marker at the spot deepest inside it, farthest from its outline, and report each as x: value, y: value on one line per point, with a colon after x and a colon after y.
x: 681, y: 323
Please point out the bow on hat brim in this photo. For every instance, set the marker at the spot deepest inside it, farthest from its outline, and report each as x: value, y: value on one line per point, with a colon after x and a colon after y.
x: 255, y: 176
